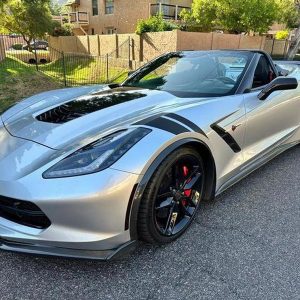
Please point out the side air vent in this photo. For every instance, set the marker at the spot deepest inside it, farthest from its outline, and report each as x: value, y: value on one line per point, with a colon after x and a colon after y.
x: 226, y: 137
x: 23, y: 212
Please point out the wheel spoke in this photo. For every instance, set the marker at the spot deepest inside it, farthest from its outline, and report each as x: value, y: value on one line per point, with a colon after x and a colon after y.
x: 193, y: 179
x: 170, y: 220
x: 165, y: 204
x: 190, y: 201
x: 165, y: 195
x: 186, y: 211
x: 175, y: 175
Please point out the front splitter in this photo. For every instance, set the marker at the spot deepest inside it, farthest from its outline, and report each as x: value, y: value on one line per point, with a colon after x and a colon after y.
x: 102, y: 255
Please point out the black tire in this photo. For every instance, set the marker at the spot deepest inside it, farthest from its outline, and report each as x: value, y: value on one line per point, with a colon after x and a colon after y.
x: 164, y: 216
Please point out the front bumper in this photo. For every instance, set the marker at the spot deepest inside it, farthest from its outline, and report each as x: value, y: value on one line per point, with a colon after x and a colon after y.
x: 87, y: 214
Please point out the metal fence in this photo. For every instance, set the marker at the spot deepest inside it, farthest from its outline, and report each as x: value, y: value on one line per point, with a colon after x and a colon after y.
x: 70, y: 69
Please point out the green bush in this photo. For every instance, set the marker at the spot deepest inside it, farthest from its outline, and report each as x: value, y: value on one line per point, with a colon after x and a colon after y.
x: 61, y: 30
x: 282, y: 35
x: 155, y: 24
x: 17, y: 46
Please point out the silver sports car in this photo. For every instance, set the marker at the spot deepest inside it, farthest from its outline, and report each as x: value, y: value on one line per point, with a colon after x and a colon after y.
x: 88, y: 171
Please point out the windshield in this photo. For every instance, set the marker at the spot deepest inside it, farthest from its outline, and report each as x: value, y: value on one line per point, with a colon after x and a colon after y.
x: 190, y: 74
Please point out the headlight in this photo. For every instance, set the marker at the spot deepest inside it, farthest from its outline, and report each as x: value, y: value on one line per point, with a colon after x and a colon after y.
x: 98, y: 155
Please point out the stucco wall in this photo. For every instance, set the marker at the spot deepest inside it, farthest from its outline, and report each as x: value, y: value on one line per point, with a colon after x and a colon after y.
x: 277, y: 47
x: 207, y: 41
x: 151, y: 45
x: 252, y: 42
x: 194, y: 40
x: 157, y: 43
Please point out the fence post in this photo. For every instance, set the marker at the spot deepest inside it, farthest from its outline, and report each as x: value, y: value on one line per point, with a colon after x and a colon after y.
x: 64, y: 69
x: 35, y: 55
x: 107, y: 71
x: 117, y: 46
x: 240, y: 41
x: 98, y: 45
x: 2, y: 48
x: 141, y: 47
x: 285, y: 49
x: 88, y: 44
x: 129, y: 53
x: 273, y: 44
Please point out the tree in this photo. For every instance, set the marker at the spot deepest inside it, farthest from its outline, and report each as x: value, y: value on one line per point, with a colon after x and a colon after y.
x: 205, y: 12
x: 55, y: 8
x: 288, y: 12
x: 235, y: 16
x: 30, y: 18
x: 239, y: 16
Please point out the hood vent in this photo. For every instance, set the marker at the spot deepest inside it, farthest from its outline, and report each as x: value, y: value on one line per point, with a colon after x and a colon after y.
x: 83, y: 106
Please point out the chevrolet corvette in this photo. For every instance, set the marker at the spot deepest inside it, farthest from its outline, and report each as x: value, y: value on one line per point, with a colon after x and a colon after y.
x: 87, y: 172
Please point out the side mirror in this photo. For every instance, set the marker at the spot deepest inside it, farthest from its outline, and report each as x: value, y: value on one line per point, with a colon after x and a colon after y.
x: 278, y: 84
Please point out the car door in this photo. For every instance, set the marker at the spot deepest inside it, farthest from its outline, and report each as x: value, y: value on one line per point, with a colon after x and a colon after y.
x: 270, y: 122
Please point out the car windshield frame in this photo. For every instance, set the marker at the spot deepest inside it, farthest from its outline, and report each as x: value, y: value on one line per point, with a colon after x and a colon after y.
x: 160, y: 61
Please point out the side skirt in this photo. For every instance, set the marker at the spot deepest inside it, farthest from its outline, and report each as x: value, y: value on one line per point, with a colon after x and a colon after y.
x: 256, y: 164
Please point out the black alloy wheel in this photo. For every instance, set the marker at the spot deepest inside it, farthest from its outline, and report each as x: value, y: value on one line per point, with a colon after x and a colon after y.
x: 172, y: 197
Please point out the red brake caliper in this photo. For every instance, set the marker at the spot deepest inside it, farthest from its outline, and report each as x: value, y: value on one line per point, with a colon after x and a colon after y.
x: 187, y: 193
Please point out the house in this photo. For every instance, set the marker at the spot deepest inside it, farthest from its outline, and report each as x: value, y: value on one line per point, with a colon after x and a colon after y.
x: 118, y: 16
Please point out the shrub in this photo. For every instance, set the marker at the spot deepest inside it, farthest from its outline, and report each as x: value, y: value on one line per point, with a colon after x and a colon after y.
x: 155, y: 24
x: 17, y: 46
x: 282, y: 35
x: 61, y: 30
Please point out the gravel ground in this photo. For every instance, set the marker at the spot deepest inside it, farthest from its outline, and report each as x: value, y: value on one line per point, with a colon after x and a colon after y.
x: 244, y: 245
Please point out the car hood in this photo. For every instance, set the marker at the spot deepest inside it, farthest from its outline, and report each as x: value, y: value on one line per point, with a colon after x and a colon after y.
x: 67, y: 117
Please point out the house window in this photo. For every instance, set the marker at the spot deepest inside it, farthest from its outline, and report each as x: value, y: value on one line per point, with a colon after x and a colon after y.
x: 109, y: 7
x: 93, y: 31
x: 95, y: 7
x: 110, y: 30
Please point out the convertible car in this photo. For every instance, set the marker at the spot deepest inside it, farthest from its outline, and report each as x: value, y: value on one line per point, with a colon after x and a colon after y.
x: 88, y: 171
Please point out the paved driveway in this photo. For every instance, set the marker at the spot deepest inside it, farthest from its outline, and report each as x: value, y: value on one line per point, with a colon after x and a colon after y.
x: 244, y: 245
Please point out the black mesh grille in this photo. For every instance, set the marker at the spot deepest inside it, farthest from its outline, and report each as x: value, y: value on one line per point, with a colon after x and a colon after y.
x: 23, y: 212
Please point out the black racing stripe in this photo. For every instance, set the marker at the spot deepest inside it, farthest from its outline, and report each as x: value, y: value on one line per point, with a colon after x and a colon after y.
x: 186, y: 122
x: 147, y: 120
x: 167, y: 125
x: 230, y: 141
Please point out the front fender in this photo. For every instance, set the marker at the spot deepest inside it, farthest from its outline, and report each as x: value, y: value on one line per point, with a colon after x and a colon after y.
x: 138, y: 190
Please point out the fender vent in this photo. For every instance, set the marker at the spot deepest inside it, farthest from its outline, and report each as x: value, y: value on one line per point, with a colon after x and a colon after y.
x: 226, y: 137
